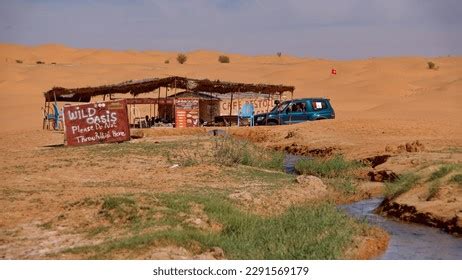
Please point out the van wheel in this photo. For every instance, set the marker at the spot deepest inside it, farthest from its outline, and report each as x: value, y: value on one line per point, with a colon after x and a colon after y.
x: 272, y: 123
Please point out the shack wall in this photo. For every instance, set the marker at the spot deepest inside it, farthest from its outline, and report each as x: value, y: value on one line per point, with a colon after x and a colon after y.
x: 208, y: 109
x: 261, y: 105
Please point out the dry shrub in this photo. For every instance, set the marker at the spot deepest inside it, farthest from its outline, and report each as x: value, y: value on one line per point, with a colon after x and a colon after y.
x: 181, y: 58
x: 223, y: 59
x: 432, y: 65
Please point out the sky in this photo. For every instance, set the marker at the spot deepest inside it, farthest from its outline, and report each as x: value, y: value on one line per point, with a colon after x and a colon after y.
x: 339, y: 29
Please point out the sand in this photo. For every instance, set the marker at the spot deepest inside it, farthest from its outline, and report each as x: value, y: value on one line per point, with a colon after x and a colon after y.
x: 395, y: 88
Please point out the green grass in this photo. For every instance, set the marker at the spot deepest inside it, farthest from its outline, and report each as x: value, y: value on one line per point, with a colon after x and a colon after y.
x: 457, y: 179
x: 443, y: 171
x: 343, y: 185
x: 231, y: 152
x: 404, y: 183
x: 433, y: 189
x: 315, y: 231
x: 336, y: 166
x: 436, y: 177
x: 256, y: 176
x: 119, y: 208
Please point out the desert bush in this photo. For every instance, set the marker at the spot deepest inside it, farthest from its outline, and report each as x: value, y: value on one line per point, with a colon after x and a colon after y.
x: 431, y: 65
x: 404, y: 183
x: 40, y: 62
x: 223, y: 59
x: 336, y: 166
x: 279, y: 54
x: 18, y: 61
x: 181, y: 58
x: 167, y: 61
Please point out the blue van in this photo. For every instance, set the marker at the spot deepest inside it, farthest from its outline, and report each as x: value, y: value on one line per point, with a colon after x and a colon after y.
x: 297, y: 110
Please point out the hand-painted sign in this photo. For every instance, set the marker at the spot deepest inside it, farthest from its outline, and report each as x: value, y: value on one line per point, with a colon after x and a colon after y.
x: 186, y: 112
x: 260, y: 105
x: 94, y: 123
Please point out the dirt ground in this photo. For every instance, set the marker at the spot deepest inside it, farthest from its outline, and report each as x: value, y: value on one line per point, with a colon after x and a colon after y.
x: 50, y: 193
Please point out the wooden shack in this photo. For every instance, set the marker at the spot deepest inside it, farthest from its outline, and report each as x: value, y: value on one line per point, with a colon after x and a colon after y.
x: 155, y: 98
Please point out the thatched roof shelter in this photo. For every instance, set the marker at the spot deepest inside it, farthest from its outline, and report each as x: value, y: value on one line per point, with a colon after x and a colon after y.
x: 138, y: 87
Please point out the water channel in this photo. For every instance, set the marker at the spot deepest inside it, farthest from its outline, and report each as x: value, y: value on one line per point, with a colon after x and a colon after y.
x: 407, y: 241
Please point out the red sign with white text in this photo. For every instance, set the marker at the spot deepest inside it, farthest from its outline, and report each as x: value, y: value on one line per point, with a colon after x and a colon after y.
x: 94, y: 123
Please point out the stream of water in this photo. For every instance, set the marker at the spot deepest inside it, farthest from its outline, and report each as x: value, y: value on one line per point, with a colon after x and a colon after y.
x: 407, y: 241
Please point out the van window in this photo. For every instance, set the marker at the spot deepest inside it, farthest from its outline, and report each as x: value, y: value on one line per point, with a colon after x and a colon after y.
x: 318, y: 105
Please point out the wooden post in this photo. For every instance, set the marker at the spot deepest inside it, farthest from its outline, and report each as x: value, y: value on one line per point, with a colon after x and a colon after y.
x: 267, y: 108
x: 231, y: 105
x: 56, y: 124
x: 280, y: 100
x: 45, y: 115
x: 165, y: 112
x: 48, y: 113
x: 291, y: 100
x: 158, y: 98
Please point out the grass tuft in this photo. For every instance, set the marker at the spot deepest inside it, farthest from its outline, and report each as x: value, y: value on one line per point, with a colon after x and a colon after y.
x: 336, y: 166
x: 443, y: 171
x: 344, y: 185
x: 404, y: 183
x: 119, y: 208
x: 433, y: 190
x: 231, y: 152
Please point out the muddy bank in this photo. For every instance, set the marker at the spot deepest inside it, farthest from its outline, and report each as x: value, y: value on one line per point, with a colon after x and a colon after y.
x: 304, y: 150
x: 409, y: 213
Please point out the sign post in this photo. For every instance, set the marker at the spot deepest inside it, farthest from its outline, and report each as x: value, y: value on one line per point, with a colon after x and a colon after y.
x: 94, y: 123
x: 186, y: 112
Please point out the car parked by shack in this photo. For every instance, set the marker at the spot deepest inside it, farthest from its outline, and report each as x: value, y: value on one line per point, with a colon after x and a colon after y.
x: 296, y: 111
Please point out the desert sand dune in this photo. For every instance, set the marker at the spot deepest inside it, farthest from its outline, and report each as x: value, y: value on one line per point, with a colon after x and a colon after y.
x: 373, y: 88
